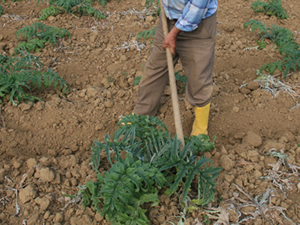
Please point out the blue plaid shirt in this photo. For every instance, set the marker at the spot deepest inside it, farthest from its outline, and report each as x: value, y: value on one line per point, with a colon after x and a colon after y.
x: 189, y: 13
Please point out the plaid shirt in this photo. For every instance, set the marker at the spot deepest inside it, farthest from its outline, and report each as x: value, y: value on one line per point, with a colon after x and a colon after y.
x: 189, y: 13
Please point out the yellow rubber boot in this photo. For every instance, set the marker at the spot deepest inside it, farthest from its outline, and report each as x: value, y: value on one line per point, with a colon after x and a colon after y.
x: 201, y: 120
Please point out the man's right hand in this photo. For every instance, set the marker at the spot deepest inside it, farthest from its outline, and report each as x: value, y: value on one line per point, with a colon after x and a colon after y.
x: 170, y: 40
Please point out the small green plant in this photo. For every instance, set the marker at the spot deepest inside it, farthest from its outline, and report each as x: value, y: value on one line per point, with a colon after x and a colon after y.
x: 37, y: 35
x: 110, y: 79
x: 147, y: 33
x: 20, y: 75
x: 50, y: 11
x: 34, y: 45
x: 137, y: 80
x: 103, y: 2
x: 182, y: 79
x: 283, y: 40
x: 70, y: 6
x: 271, y: 8
x: 152, y: 160
x: 1, y: 10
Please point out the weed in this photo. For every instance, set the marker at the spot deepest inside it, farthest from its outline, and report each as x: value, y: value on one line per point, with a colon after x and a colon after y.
x: 153, y: 161
x: 68, y: 6
x: 285, y: 42
x: 181, y: 79
x: 271, y: 8
x: 33, y: 45
x: 137, y: 80
x: 21, y: 74
x: 110, y: 79
x: 103, y: 2
x: 262, y: 44
x: 38, y: 34
x: 50, y: 11
x: 1, y: 10
x: 147, y: 33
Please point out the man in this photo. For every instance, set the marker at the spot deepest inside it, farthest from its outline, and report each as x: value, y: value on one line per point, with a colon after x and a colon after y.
x: 192, y: 26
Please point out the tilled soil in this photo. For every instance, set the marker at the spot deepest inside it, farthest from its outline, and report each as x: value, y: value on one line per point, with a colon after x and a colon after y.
x: 45, y: 146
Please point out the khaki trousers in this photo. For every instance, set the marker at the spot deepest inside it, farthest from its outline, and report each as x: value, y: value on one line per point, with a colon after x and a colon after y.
x: 196, y: 51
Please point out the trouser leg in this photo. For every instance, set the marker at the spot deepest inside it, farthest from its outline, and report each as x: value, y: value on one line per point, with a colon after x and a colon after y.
x: 155, y: 77
x: 196, y: 50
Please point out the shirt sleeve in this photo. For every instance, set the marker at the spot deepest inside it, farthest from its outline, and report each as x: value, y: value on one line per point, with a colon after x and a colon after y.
x: 192, y: 15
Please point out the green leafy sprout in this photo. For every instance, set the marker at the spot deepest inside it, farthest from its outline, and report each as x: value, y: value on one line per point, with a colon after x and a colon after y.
x: 71, y: 6
x: 20, y: 75
x: 147, y: 33
x: 37, y: 35
x: 144, y: 159
x: 270, y: 8
x: 137, y: 80
x: 283, y: 40
x: 103, y: 2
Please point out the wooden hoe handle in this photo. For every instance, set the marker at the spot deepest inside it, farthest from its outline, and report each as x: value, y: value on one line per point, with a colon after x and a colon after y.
x: 177, y: 118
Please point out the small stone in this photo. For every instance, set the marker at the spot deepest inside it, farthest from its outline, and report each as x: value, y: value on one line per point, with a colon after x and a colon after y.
x: 52, y: 152
x: 167, y: 91
x: 73, y: 181
x: 82, y: 93
x: 32, y: 162
x: 3, y: 46
x: 123, y: 83
x: 99, y: 127
x: 161, y: 219
x: 93, y: 37
x: 46, y: 215
x: 252, y: 139
x: 149, y: 19
x: 245, y: 91
x: 253, y: 85
x: 239, y: 182
x: 284, y: 205
x: 164, y: 108
x: 226, y: 163
x: 51, y: 19
x: 44, y: 161
x: 57, y: 179
x: 58, y: 218
x: 233, y: 215
x: 25, y: 107
x: 257, y: 174
x: 40, y: 106
x: 91, y: 92
x: 123, y: 58
x: 239, y: 135
x: 216, y: 90
x: 33, y: 220
x: 98, y: 217
x: 16, y: 164
x: 27, y: 193
x: 109, y: 104
x: 235, y: 109
x: 253, y: 156
x: 46, y: 175
x: 229, y: 178
x: 43, y: 203
x: 2, y: 174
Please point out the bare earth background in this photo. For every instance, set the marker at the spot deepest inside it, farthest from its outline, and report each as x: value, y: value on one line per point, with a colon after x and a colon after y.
x: 45, y: 146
